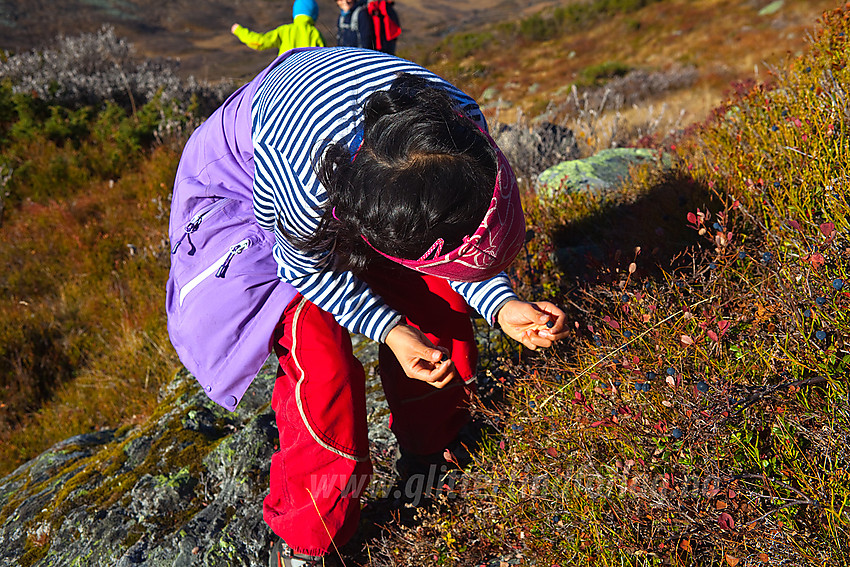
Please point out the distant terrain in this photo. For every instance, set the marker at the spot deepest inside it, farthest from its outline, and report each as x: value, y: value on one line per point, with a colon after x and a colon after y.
x: 198, y: 32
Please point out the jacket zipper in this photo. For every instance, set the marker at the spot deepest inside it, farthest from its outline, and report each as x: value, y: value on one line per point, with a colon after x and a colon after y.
x: 219, y: 268
x: 195, y: 223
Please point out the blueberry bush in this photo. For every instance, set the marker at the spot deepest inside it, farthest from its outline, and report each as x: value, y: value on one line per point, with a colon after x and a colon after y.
x: 698, y: 413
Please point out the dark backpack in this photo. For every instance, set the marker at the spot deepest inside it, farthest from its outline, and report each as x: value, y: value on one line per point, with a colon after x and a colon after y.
x: 385, y: 23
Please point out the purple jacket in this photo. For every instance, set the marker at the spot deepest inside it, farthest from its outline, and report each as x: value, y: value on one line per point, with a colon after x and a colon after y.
x: 223, y: 295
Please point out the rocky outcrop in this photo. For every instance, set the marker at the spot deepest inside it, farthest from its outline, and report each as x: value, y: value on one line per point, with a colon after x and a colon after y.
x: 184, y: 488
x: 531, y: 150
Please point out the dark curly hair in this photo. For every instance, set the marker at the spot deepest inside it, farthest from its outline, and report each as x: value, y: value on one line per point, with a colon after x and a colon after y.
x: 424, y: 171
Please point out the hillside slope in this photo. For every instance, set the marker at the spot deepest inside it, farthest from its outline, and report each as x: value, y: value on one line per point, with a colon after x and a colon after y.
x: 198, y: 33
x: 721, y: 40
x: 691, y: 50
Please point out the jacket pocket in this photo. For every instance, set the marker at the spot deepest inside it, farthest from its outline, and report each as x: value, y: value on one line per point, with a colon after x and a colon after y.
x: 195, y: 223
x: 217, y: 268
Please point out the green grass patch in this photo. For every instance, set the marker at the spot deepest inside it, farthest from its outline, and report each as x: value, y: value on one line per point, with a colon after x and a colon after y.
x: 598, y: 74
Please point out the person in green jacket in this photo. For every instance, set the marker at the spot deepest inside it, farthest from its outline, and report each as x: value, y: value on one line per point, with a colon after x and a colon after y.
x: 302, y: 32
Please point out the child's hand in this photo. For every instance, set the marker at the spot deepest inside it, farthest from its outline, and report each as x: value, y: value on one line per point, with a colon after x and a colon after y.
x: 233, y: 28
x: 419, y: 358
x: 535, y: 325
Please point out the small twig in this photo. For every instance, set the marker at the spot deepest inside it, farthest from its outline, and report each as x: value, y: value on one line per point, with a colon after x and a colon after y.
x: 324, y: 525
x: 786, y: 505
x: 759, y: 395
x: 799, y: 152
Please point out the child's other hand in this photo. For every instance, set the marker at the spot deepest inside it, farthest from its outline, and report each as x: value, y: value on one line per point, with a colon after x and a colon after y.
x: 535, y: 325
x: 419, y: 358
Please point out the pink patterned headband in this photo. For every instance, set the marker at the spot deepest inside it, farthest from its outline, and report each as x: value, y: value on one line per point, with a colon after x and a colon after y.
x: 491, y: 248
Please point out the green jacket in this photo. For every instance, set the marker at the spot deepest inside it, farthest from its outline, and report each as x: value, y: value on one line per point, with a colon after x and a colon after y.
x: 300, y: 33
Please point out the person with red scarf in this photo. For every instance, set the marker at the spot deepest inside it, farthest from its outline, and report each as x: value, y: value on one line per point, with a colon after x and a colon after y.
x: 388, y: 211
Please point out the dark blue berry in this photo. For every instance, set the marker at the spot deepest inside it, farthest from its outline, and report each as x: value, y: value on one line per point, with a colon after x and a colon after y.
x: 716, y: 226
x: 776, y: 183
x: 820, y: 300
x: 702, y: 386
x: 671, y: 371
x: 766, y: 257
x: 820, y: 335
x: 651, y: 375
x: 712, y: 266
x: 676, y: 433
x: 807, y: 313
x: 742, y: 255
x: 774, y: 127
x: 838, y: 284
x: 627, y: 334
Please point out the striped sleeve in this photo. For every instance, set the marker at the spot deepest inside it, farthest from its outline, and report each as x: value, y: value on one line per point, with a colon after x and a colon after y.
x: 486, y: 297
x: 312, y: 99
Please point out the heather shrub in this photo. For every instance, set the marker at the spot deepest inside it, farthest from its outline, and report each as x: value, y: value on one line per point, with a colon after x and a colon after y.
x: 574, y: 15
x: 54, y: 152
x: 91, y: 68
x: 625, y: 87
x: 463, y: 45
x: 82, y: 335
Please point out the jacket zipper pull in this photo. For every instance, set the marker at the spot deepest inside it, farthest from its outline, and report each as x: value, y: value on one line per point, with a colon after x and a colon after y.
x: 191, y: 227
x: 234, y: 250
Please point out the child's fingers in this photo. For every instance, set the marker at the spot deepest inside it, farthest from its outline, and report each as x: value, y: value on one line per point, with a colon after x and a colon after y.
x: 534, y: 339
x: 438, y: 354
x: 437, y: 374
x: 551, y: 318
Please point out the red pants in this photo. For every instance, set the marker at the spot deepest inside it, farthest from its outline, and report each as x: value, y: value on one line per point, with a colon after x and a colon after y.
x: 320, y: 404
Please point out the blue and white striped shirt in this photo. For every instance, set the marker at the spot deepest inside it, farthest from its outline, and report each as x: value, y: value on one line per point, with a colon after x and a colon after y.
x: 312, y: 99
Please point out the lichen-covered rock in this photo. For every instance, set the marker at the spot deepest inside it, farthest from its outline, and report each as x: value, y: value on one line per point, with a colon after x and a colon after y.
x: 600, y: 173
